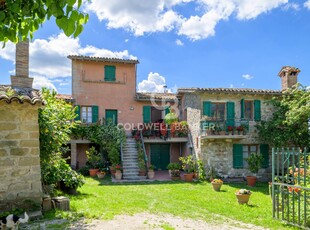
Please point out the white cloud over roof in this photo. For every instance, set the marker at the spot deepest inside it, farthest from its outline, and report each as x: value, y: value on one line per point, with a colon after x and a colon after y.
x: 155, y: 83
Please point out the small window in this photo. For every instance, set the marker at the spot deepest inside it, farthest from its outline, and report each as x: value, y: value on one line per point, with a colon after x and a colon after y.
x: 248, y: 110
x: 247, y: 150
x: 86, y: 114
x: 109, y: 73
x: 217, y: 111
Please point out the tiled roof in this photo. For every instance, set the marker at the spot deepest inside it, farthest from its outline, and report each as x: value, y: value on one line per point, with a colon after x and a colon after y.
x: 102, y: 59
x: 288, y: 69
x: 230, y: 90
x: 66, y: 97
x: 21, y: 95
x: 155, y: 96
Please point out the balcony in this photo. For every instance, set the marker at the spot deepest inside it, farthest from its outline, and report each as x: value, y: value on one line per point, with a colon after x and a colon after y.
x: 162, y: 133
x: 228, y: 130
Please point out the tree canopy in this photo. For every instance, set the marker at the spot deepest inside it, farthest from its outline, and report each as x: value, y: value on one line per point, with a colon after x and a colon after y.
x: 20, y: 18
x: 289, y: 125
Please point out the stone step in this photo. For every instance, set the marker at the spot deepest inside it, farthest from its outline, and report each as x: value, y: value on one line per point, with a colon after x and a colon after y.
x: 132, y: 166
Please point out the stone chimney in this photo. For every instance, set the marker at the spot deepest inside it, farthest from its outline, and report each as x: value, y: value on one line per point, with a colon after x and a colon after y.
x: 288, y: 76
x: 21, y: 78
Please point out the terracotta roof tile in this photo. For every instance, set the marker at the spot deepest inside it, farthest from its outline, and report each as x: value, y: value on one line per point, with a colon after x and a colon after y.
x: 230, y: 90
x: 157, y: 96
x: 66, y: 97
x: 21, y: 95
x: 102, y: 59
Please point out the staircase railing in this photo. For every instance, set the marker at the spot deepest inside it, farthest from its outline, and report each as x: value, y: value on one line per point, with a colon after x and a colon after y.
x: 122, y: 151
x: 143, y: 147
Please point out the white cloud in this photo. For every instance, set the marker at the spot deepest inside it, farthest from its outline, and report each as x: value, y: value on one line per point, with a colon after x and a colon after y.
x: 247, y: 76
x: 140, y: 17
x: 179, y: 42
x: 307, y: 4
x: 155, y: 83
x: 48, y: 58
x: 291, y: 6
x: 40, y: 82
x: 231, y: 86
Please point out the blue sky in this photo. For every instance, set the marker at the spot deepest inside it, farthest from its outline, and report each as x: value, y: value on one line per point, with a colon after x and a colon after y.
x: 179, y: 43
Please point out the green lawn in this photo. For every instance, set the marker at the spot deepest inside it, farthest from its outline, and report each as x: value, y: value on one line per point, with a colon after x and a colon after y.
x: 103, y: 200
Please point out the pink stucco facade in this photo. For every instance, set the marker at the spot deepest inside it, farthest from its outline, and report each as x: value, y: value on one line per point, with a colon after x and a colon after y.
x: 89, y: 88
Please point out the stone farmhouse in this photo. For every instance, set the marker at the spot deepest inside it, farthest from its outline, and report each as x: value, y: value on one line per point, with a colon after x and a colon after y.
x: 104, y: 89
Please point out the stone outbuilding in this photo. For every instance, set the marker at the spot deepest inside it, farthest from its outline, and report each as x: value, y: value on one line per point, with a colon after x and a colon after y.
x: 20, y: 172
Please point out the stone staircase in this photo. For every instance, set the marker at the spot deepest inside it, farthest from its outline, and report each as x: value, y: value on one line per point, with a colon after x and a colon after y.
x: 130, y: 160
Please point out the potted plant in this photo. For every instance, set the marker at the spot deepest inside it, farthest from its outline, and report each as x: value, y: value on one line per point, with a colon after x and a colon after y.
x: 254, y: 161
x: 101, y: 173
x: 230, y: 129
x: 240, y: 130
x: 141, y: 165
x: 114, y: 158
x: 188, y: 165
x: 174, y: 171
x: 217, y: 184
x: 243, y: 196
x: 118, y: 172
x: 93, y: 160
x: 151, y: 173
x: 71, y: 181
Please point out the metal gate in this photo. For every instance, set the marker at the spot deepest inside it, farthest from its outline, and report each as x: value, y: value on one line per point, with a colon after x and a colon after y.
x: 291, y: 186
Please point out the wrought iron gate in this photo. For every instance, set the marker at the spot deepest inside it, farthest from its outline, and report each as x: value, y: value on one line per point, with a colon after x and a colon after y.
x: 291, y: 186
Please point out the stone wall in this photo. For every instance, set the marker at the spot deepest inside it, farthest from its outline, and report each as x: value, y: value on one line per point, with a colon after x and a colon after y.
x: 20, y: 172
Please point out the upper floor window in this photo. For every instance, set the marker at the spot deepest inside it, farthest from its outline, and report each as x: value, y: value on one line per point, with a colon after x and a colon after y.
x: 109, y: 73
x: 248, y: 110
x: 217, y: 111
x: 86, y: 114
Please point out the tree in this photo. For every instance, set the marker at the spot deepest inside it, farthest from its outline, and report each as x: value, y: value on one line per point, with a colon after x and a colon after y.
x: 289, y: 124
x: 20, y: 18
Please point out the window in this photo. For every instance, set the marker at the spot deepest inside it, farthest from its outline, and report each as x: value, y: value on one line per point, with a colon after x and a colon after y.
x: 248, y: 110
x: 242, y: 152
x: 86, y: 114
x: 217, y: 111
x: 247, y: 150
x: 109, y: 73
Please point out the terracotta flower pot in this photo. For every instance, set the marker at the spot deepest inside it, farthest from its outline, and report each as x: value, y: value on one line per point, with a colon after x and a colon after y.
x: 118, y: 175
x: 93, y: 172
x: 251, y: 180
x: 188, y: 177
x: 217, y: 186
x: 100, y: 175
x: 243, y: 198
x: 151, y: 174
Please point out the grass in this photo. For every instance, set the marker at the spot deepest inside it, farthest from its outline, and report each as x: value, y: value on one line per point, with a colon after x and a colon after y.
x: 102, y: 199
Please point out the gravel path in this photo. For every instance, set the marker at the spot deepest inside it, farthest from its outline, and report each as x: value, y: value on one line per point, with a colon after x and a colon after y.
x: 143, y: 221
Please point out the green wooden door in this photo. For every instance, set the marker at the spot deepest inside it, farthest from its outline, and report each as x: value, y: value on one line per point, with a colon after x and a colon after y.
x: 160, y: 156
x: 111, y: 117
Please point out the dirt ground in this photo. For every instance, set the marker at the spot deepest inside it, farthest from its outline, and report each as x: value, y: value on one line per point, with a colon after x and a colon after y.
x: 142, y: 221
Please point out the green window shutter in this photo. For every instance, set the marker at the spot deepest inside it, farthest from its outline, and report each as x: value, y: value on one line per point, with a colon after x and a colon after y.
x: 257, y: 110
x: 167, y: 110
x: 78, y: 113
x: 264, y: 151
x: 237, y: 156
x: 147, y: 114
x: 95, y: 113
x: 230, y: 113
x: 109, y: 73
x: 206, y: 108
x: 242, y: 108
